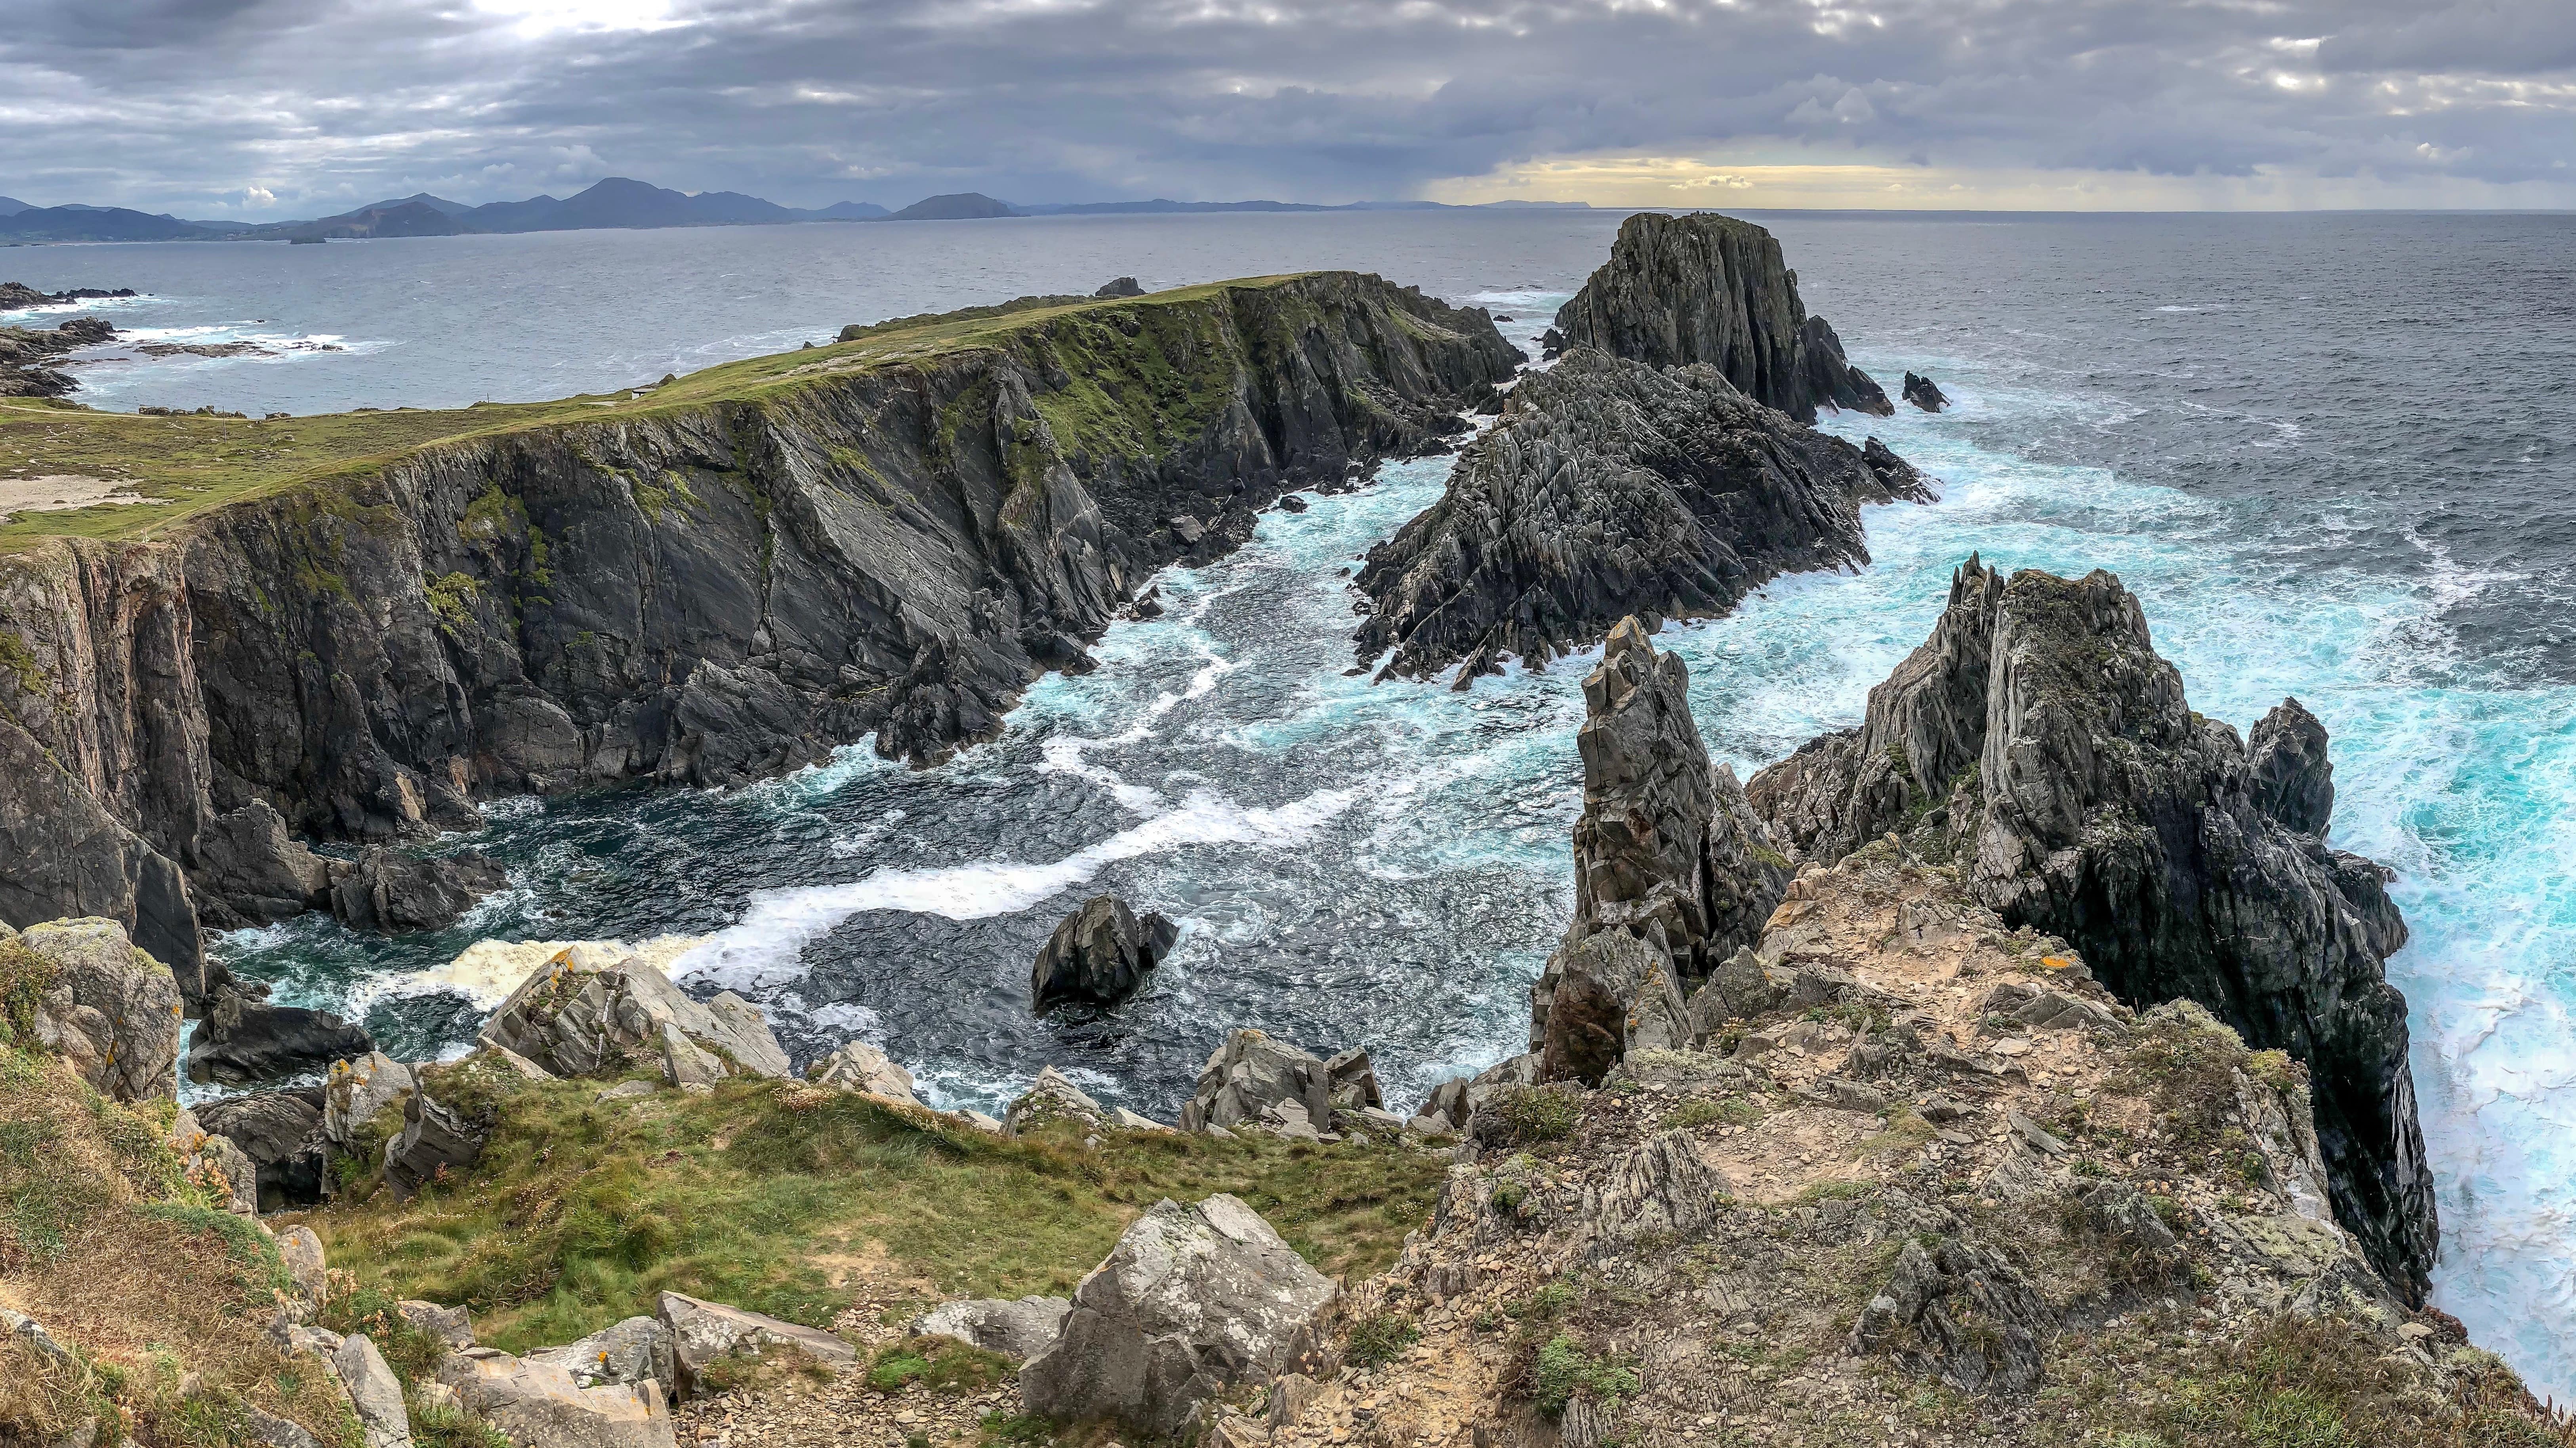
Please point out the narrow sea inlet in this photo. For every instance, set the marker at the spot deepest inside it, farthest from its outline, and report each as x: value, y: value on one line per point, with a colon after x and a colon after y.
x: 2304, y: 507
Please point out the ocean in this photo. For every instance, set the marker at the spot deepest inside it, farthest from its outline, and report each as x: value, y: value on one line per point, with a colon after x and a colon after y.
x: 2333, y: 454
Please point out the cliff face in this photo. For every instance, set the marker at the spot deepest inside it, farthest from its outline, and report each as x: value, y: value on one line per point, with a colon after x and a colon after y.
x: 895, y: 542
x: 1708, y: 288
x: 1611, y: 488
x: 2038, y: 736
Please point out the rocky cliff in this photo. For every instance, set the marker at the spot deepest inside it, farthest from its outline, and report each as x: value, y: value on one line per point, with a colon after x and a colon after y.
x: 1709, y: 288
x: 891, y: 536
x: 2038, y: 737
x: 1610, y: 487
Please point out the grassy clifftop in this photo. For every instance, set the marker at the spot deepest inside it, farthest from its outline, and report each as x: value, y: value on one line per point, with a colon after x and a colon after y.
x: 184, y: 465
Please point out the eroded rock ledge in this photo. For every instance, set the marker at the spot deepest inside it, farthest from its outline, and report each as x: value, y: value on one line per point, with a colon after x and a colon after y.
x: 2038, y: 737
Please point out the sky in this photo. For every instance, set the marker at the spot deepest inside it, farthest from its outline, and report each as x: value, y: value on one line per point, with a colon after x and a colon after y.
x: 260, y: 109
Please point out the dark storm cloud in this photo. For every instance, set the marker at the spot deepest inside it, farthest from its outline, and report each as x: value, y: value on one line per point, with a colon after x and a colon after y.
x: 181, y: 103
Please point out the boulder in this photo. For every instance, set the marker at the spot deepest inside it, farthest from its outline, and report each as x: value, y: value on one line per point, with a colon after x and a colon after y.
x: 113, y: 1011
x: 216, y: 1163
x: 301, y: 1251
x: 279, y: 1134
x: 374, y: 1392
x: 1051, y: 1097
x: 356, y: 1090
x: 1099, y: 954
x: 1446, y: 1110
x: 540, y: 1406
x: 243, y: 1041
x: 249, y: 864
x: 1924, y: 393
x: 589, y: 1010
x: 435, y: 1140
x: 1018, y: 1329
x: 1351, y: 1080
x: 859, y: 1066
x: 704, y: 1333
x: 453, y: 1326
x: 637, y: 1350
x: 1600, y: 998
x: 1194, y: 1303
x: 394, y: 893
x: 1120, y: 287
x: 1252, y: 1072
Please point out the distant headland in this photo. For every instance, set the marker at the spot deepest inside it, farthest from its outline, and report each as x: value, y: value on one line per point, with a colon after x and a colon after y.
x: 617, y: 203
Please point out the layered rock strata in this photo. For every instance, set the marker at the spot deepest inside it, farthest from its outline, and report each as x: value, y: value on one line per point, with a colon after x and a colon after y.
x: 2039, y: 737
x: 1610, y: 488
x: 1708, y: 288
x: 889, y: 542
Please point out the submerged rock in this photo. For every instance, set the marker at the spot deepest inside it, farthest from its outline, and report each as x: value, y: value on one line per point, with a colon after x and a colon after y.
x: 1608, y: 489
x: 2038, y: 735
x: 1192, y: 1304
x: 1708, y: 288
x: 1099, y: 954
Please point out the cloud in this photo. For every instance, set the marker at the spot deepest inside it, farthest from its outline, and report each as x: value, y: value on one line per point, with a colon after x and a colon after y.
x: 333, y: 102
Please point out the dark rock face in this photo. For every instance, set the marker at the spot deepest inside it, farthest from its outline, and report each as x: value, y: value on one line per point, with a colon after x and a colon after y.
x: 1120, y: 287
x: 698, y: 597
x: 1924, y: 393
x: 281, y: 1133
x: 1667, y: 853
x: 251, y: 871
x: 1100, y: 954
x: 434, y: 1139
x: 242, y: 1041
x: 395, y: 893
x: 2102, y: 810
x: 25, y: 351
x: 1710, y: 288
x: 2293, y: 778
x: 1610, y: 488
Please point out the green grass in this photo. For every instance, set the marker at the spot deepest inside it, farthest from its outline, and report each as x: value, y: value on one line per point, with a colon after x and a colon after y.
x: 941, y: 1364
x: 580, y: 1213
x: 1380, y: 1339
x: 1563, y: 1371
x: 188, y: 464
x: 1532, y: 1114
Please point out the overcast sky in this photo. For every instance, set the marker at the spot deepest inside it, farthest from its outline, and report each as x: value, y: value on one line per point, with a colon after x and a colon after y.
x: 300, y: 107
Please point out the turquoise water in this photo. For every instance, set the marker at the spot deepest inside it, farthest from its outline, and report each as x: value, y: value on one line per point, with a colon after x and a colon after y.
x: 2331, y: 455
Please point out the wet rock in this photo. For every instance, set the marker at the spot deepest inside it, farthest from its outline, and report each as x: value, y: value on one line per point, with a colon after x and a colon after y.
x: 1961, y: 1314
x: 859, y: 1066
x: 1252, y: 1072
x: 1193, y: 1303
x: 637, y: 1350
x: 280, y: 1134
x: 242, y: 1041
x: 591, y: 1010
x: 704, y: 1333
x: 1709, y: 288
x: 2090, y: 803
x: 1611, y: 489
x: 1924, y: 393
x: 1018, y: 1329
x: 393, y: 893
x: 111, y: 1010
x: 436, y: 1141
x: 1099, y: 954
x: 538, y: 1405
x: 250, y: 865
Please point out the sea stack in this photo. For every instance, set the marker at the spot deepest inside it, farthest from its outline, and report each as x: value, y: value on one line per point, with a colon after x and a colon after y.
x: 1924, y: 393
x: 2038, y: 737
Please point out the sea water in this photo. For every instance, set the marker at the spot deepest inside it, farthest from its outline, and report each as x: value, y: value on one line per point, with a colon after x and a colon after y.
x: 2332, y: 455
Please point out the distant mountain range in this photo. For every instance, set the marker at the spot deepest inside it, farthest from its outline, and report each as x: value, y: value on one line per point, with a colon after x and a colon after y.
x: 614, y: 203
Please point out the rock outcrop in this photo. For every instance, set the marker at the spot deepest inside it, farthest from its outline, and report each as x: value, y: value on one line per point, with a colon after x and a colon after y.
x: 1257, y: 1080
x: 1193, y: 1303
x: 280, y: 1134
x: 394, y: 893
x: 2040, y: 737
x: 1924, y: 393
x: 1018, y: 1328
x: 859, y: 1066
x: 1099, y: 954
x: 705, y: 1333
x: 1708, y: 288
x: 356, y: 1090
x: 25, y: 353
x: 436, y: 1140
x: 1611, y: 488
x: 540, y: 1403
x: 1120, y: 287
x: 591, y: 1010
x: 243, y: 1041
x: 701, y: 593
x: 109, y: 1008
x: 634, y: 1350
